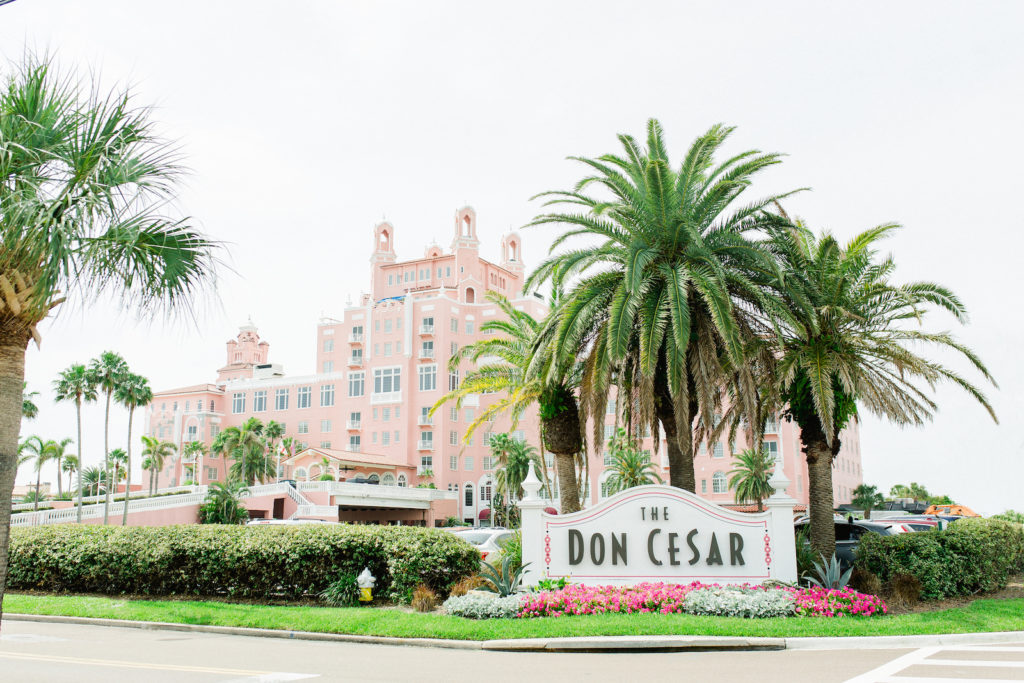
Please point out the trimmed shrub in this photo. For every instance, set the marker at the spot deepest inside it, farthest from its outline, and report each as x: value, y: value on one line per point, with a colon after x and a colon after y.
x: 971, y: 556
x: 240, y: 561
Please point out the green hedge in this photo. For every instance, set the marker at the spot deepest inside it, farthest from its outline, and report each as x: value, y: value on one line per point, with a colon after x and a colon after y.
x: 970, y: 556
x: 244, y: 561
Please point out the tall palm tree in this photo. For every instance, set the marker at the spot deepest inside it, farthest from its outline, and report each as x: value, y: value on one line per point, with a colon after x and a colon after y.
x: 517, y: 345
x: 156, y: 453
x: 109, y: 370
x: 57, y: 455
x: 664, y: 301
x: 117, y: 460
x: 630, y: 466
x: 33, y: 449
x: 853, y: 341
x: 867, y: 498
x: 70, y: 466
x: 85, y: 212
x: 76, y: 384
x: 29, y: 409
x: 273, y: 432
x: 132, y: 392
x: 195, y: 450
x: 246, y: 446
x: 749, y: 476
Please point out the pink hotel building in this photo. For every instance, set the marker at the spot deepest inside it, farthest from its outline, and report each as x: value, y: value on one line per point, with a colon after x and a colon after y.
x: 363, y: 416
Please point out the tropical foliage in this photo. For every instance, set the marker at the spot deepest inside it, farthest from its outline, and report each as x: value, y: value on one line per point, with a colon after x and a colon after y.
x: 867, y: 498
x: 76, y: 384
x: 749, y: 476
x: 223, y: 504
x: 154, y: 454
x: 630, y: 466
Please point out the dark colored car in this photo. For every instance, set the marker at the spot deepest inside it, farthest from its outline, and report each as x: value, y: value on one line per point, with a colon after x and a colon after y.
x: 848, y: 536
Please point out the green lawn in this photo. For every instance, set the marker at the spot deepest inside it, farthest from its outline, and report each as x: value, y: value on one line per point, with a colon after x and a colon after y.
x: 981, y: 615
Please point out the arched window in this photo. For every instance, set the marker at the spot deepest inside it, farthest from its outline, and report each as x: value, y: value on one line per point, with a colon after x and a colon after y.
x: 401, y: 480
x: 605, y: 488
x: 315, y: 470
x: 373, y: 478
x: 301, y: 474
x: 469, y: 495
x: 387, y: 480
x: 486, y: 489
x: 467, y: 227
x: 719, y: 484
x: 470, y: 295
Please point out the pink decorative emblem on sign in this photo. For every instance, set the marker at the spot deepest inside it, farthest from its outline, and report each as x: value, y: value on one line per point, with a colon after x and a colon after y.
x: 767, y: 548
x: 547, y: 547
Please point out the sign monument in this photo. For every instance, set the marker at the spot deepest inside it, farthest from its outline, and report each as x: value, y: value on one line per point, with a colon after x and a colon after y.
x: 659, y: 533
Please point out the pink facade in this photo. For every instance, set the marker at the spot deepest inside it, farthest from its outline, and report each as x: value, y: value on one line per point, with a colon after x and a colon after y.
x: 384, y: 364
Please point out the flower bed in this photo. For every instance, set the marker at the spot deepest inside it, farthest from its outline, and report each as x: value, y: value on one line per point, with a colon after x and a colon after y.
x: 703, y: 599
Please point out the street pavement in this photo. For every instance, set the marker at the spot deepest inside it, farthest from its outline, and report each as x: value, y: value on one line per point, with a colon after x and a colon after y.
x: 74, y: 653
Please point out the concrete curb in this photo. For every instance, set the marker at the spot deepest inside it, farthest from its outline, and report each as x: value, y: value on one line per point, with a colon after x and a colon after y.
x: 660, y: 643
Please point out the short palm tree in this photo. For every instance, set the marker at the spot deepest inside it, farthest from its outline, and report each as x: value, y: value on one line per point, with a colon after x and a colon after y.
x: 57, y: 455
x: 155, y: 452
x: 132, y: 392
x: 246, y: 446
x: 116, y: 462
x: 85, y: 212
x: 630, y: 466
x: 109, y: 371
x: 94, y: 479
x: 76, y: 384
x: 223, y: 503
x: 29, y: 409
x: 867, y: 498
x: 515, y: 347
x: 853, y: 339
x: 70, y: 466
x: 749, y: 476
x: 664, y: 301
x: 514, y: 459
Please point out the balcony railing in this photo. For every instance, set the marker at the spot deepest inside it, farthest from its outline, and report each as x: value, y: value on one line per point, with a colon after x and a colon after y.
x: 355, y: 338
x: 771, y: 427
x: 427, y: 354
x: 355, y: 361
x: 425, y: 445
x: 425, y: 421
x: 355, y: 424
x: 426, y: 329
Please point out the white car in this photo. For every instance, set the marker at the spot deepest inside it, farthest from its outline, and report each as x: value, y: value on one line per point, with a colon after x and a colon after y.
x: 488, y: 541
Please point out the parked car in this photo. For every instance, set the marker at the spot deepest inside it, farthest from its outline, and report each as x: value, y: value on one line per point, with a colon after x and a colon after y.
x: 848, y: 536
x: 488, y: 541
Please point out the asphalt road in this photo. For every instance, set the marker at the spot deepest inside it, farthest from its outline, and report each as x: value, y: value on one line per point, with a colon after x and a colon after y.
x: 59, y: 653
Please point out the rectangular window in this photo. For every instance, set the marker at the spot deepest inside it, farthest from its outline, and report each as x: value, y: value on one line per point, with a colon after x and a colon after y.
x: 469, y: 327
x: 328, y: 345
x: 427, y: 439
x: 703, y: 485
x: 427, y: 349
x: 467, y: 463
x: 453, y: 462
x: 453, y: 380
x: 455, y: 348
x: 355, y: 417
x: 398, y: 348
x: 387, y: 325
x: 376, y: 349
x: 719, y: 450
x: 453, y: 414
x: 304, y: 397
x: 453, y: 439
x: 487, y: 439
x: 325, y: 425
x: 328, y: 367
x: 455, y: 324
x: 448, y: 271
x: 426, y: 462
x: 187, y: 405
x: 439, y: 272
x: 488, y: 463
x: 281, y: 399
x: 354, y: 442
x: 428, y: 324
x: 326, y: 395
x: 214, y: 431
x: 373, y: 437
x: 469, y: 415
x: 259, y: 401
x: 356, y: 383
x: 610, y: 408
x: 325, y: 444
x: 387, y: 348
x: 771, y: 448
x: 237, y: 403
x: 387, y: 380
x: 396, y: 436
x: 374, y: 414
x: 609, y: 431
x: 398, y: 412
x: 211, y: 473
x: 385, y: 414
x: 193, y: 433
x: 376, y: 325
x: 303, y: 428
x: 385, y: 438
x: 428, y: 377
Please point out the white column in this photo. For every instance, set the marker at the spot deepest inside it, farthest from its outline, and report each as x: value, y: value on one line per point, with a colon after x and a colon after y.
x: 531, y: 507
x: 780, y: 527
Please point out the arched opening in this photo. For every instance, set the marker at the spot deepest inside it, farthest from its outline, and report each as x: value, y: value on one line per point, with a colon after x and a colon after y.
x: 470, y: 295
x: 401, y: 480
x: 469, y: 495
x: 513, y: 254
x: 467, y: 226
x: 387, y: 480
x: 385, y: 241
x: 301, y: 474
x: 373, y: 478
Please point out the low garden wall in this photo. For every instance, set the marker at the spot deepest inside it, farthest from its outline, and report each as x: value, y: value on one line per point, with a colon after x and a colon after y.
x: 265, y: 562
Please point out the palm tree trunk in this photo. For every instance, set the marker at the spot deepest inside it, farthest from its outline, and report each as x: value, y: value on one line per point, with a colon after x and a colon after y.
x: 106, y: 461
x: 568, y: 491
x: 12, y: 375
x: 128, y: 468
x: 60, y: 482
x: 78, y: 407
x: 819, y: 486
x: 680, y: 445
x: 39, y: 477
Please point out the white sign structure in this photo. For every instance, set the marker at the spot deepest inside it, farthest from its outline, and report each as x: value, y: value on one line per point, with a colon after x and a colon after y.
x: 659, y: 533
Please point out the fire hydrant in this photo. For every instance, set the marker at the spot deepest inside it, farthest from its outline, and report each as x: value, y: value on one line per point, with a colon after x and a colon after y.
x: 366, y: 581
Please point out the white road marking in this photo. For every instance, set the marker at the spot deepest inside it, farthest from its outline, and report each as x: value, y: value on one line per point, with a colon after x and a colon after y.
x: 247, y: 675
x: 883, y: 672
x: 887, y: 673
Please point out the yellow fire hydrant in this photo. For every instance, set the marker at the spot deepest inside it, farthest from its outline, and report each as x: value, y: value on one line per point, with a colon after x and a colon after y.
x: 366, y: 580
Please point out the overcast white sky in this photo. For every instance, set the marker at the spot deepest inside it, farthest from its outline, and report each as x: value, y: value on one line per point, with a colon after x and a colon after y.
x: 304, y: 123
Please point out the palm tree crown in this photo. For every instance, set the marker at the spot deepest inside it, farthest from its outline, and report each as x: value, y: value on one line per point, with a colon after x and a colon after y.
x: 749, y: 476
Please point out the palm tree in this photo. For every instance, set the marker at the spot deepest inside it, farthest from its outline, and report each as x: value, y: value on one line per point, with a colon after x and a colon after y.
x: 109, y: 371
x: 517, y: 345
x: 514, y: 460
x: 93, y: 479
x: 84, y: 212
x: 900, y: 491
x: 116, y: 462
x: 918, y: 492
x: 194, y: 450
x: 749, y: 476
x: 665, y: 304
x: 224, y: 503
x: 70, y: 465
x: 867, y: 498
x: 852, y: 340
x: 245, y: 445
x: 155, y: 453
x: 630, y: 466
x: 76, y: 384
x: 29, y: 409
x: 57, y: 454
x: 272, y: 432
x: 132, y: 392
x: 33, y: 449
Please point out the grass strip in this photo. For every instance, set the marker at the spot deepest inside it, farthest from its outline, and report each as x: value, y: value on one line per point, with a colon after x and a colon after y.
x: 978, y: 616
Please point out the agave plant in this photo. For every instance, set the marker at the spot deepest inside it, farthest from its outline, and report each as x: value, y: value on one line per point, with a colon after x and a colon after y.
x: 829, y: 574
x: 504, y: 581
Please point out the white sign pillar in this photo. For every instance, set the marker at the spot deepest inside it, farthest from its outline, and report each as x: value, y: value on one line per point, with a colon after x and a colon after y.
x: 530, y: 509
x: 780, y: 505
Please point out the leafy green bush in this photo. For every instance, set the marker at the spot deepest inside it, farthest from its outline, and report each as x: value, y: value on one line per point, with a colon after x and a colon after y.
x: 513, y: 549
x: 342, y: 592
x: 242, y: 561
x: 1010, y: 516
x: 971, y: 556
